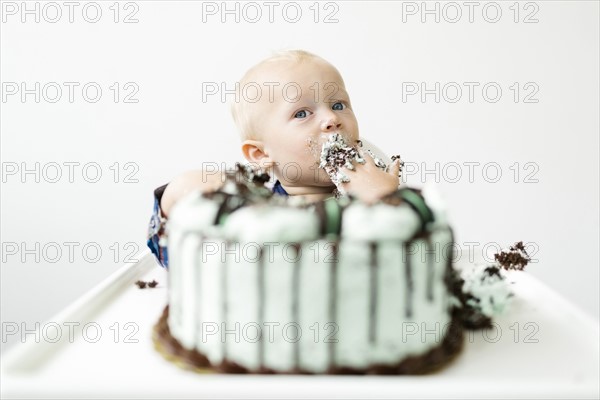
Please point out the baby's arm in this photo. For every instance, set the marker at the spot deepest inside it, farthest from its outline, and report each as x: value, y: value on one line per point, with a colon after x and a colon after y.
x: 187, y: 182
x: 370, y: 183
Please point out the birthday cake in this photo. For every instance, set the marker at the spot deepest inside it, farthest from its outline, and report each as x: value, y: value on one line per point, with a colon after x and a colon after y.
x: 260, y: 283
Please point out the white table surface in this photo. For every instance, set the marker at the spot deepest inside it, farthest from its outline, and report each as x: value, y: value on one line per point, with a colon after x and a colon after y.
x: 543, y: 347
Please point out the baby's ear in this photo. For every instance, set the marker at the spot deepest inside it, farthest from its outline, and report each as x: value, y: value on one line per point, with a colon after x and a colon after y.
x: 254, y: 152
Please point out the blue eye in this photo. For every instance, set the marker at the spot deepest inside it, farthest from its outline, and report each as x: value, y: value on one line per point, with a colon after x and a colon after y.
x: 338, y: 106
x: 301, y: 114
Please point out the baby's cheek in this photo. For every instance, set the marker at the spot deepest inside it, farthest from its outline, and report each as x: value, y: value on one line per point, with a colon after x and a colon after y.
x: 313, y: 149
x: 353, y: 136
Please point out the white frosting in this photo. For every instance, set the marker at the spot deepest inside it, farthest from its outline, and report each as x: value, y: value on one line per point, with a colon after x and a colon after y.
x: 263, y: 223
x: 193, y: 212
x: 379, y: 222
x: 353, y: 305
x: 314, y: 317
x: 208, y: 338
x: 278, y: 274
x: 207, y: 279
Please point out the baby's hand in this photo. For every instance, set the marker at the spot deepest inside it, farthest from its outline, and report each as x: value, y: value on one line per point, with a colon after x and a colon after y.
x: 370, y: 183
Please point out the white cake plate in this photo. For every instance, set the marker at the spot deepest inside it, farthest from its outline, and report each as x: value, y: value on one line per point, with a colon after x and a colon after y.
x: 544, y: 347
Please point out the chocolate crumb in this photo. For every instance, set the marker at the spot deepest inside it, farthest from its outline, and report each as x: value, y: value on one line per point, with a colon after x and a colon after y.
x: 141, y: 284
x: 514, y: 259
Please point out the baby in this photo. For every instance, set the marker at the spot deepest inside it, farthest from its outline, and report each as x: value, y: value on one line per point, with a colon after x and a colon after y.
x: 302, y: 130
x: 304, y: 103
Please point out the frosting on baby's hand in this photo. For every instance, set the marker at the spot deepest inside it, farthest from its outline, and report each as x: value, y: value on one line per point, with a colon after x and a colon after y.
x: 337, y: 154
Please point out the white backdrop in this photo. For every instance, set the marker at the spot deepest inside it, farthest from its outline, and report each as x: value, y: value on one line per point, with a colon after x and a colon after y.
x: 512, y: 137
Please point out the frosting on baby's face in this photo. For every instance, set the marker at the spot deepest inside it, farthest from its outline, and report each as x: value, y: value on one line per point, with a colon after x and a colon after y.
x: 308, y: 103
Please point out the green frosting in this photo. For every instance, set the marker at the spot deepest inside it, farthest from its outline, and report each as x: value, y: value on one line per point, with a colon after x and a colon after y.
x: 333, y: 216
x: 419, y: 205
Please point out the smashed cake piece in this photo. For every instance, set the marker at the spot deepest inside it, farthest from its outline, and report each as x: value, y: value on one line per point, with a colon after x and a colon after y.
x: 484, y: 294
x: 482, y: 291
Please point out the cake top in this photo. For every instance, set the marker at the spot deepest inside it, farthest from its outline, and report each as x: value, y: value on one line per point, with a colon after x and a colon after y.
x: 244, y: 181
x: 244, y: 208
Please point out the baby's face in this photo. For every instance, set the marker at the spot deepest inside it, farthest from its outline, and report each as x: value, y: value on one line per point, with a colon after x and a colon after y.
x: 309, y: 103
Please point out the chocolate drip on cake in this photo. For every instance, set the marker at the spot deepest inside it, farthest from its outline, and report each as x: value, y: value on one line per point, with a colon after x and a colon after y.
x: 261, y: 306
x: 333, y: 301
x: 322, y: 215
x: 224, y: 292
x: 449, y: 271
x: 197, y: 274
x: 409, y: 281
x: 296, y: 300
x: 430, y: 255
x: 332, y: 217
x: 373, y: 293
x: 222, y: 208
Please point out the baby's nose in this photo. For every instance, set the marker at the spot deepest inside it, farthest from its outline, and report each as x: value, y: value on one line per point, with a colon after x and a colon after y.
x: 330, y: 125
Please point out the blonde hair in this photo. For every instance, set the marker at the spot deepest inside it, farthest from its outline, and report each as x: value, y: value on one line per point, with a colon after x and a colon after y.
x: 242, y: 110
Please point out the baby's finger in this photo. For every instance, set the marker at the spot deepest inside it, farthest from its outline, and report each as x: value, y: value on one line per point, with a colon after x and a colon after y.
x: 372, y: 159
x: 394, y: 168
